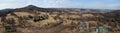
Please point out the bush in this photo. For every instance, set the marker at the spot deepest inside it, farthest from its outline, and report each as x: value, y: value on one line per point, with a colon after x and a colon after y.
x: 39, y: 18
x: 10, y: 29
x: 29, y: 16
x: 10, y: 21
x: 36, y: 19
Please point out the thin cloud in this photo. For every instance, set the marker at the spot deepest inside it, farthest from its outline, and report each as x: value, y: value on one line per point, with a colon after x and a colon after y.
x: 99, y: 4
x: 10, y: 5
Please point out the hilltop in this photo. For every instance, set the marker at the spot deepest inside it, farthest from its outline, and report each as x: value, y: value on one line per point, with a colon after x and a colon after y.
x: 33, y: 19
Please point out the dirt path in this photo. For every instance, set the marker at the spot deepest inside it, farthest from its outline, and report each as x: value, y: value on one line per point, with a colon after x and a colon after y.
x: 56, y: 29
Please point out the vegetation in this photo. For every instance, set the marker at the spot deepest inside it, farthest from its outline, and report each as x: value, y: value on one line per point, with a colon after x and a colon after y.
x: 40, y: 20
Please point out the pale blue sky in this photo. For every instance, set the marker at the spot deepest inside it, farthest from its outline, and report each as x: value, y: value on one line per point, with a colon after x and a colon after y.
x: 94, y: 4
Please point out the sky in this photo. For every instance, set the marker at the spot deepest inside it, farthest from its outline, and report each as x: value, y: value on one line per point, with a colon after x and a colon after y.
x: 91, y: 4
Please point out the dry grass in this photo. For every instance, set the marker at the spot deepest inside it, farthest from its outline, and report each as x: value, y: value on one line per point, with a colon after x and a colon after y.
x: 55, y: 25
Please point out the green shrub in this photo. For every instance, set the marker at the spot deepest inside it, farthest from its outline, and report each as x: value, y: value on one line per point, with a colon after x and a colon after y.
x: 29, y: 16
x: 39, y: 18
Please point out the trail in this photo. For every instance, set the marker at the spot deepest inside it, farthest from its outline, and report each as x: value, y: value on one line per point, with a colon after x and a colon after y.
x: 56, y: 29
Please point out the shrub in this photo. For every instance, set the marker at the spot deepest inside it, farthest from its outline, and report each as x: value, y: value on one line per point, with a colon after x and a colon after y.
x: 29, y: 16
x: 39, y: 18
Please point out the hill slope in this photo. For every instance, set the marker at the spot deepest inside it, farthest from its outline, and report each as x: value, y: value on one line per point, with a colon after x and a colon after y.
x: 32, y: 19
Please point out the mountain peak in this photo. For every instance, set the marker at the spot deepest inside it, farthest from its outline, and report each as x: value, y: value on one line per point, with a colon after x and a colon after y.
x: 31, y: 6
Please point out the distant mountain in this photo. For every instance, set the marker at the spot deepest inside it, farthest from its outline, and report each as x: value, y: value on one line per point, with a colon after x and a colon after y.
x: 32, y: 8
x: 35, y: 8
x: 5, y: 11
x: 29, y: 8
x: 113, y: 15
